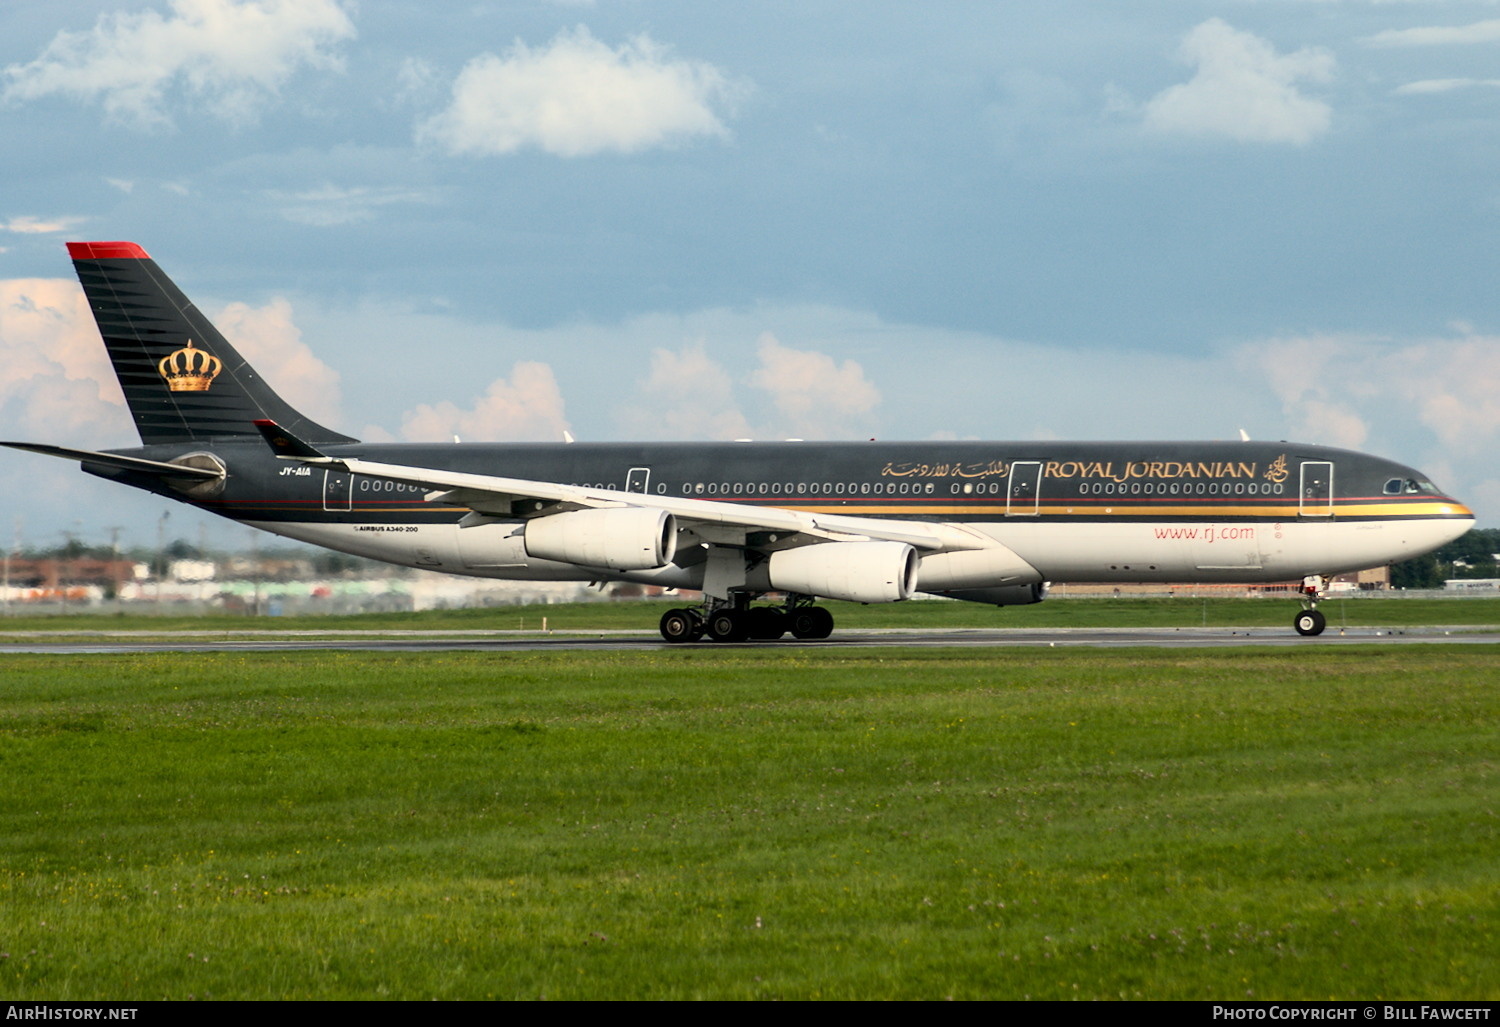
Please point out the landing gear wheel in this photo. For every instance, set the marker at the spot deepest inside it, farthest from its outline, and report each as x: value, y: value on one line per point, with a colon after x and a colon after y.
x: 766, y: 623
x: 728, y: 626
x: 1310, y: 622
x: 811, y: 622
x: 680, y: 626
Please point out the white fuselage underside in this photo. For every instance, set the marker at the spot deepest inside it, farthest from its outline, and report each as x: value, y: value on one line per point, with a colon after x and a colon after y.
x: 1062, y: 552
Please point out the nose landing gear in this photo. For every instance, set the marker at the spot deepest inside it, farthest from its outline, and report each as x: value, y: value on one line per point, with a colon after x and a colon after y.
x: 1311, y: 621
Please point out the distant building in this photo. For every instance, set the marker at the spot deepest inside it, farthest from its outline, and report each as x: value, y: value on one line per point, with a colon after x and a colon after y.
x: 1472, y: 585
x: 191, y: 570
x: 53, y: 573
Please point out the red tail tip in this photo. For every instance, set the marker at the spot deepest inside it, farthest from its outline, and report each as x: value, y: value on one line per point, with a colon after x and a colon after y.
x: 106, y: 251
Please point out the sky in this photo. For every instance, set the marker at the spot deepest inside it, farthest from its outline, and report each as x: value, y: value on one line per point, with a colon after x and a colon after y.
x: 652, y: 219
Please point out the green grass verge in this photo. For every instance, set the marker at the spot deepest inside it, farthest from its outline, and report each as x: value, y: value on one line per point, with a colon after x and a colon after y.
x: 752, y: 824
x: 643, y: 615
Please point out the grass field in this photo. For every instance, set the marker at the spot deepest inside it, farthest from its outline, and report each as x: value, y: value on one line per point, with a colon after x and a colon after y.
x: 776, y: 823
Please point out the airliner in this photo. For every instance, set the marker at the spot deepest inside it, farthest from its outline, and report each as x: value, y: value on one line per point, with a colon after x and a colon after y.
x: 762, y: 530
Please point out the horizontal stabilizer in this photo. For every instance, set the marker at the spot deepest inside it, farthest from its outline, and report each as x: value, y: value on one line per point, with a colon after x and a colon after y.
x: 284, y: 443
x: 123, y: 463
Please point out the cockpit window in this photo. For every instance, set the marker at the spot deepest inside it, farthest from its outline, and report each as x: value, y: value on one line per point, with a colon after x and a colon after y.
x: 1410, y: 487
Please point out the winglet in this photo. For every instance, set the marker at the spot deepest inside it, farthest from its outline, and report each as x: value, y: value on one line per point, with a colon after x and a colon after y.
x: 284, y: 443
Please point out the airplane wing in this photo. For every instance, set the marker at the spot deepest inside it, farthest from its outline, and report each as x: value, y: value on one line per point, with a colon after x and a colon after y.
x: 492, y: 497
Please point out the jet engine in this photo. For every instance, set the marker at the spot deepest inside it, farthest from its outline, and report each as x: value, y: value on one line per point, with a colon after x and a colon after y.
x: 988, y: 568
x: 861, y: 572
x: 621, y: 540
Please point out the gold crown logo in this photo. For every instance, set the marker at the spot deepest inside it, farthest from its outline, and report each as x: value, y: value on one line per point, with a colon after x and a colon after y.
x: 1277, y: 472
x: 190, y: 369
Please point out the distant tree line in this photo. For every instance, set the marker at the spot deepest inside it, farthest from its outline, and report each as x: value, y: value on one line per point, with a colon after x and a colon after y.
x: 1469, y: 556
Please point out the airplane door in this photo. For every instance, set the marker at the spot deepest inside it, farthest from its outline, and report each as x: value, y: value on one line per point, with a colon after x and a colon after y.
x: 1023, y: 489
x: 338, y: 488
x: 638, y: 480
x: 1316, y: 498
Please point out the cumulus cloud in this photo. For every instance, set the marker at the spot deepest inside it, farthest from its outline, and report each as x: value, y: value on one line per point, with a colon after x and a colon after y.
x: 330, y: 205
x: 1344, y: 390
x: 1439, y: 35
x: 1306, y: 374
x: 28, y: 225
x: 58, y: 383
x: 814, y: 396
x: 271, y: 341
x: 1242, y: 89
x: 1455, y: 385
x: 1444, y: 85
x: 688, y: 395
x: 231, y: 56
x: 415, y: 78
x: 577, y: 96
x: 528, y: 406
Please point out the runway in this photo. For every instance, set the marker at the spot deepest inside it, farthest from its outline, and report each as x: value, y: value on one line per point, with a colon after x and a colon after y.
x: 101, y: 642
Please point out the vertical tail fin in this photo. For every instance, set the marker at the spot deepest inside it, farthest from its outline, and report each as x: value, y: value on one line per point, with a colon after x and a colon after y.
x: 182, y: 379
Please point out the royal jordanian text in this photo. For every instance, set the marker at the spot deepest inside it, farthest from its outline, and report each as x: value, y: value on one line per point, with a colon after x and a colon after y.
x: 1105, y: 470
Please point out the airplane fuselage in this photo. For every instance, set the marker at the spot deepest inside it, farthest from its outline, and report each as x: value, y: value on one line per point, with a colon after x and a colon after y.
x: 1075, y: 511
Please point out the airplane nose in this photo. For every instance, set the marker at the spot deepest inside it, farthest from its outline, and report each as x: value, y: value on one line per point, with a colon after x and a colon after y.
x: 1458, y: 519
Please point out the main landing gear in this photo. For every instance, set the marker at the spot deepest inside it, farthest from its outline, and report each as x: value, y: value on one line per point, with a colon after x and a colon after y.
x: 1311, y: 621
x: 735, y: 620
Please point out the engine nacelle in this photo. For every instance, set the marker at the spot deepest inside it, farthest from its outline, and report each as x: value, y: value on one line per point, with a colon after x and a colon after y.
x: 861, y: 572
x: 1009, y: 595
x: 995, y: 567
x: 620, y: 540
